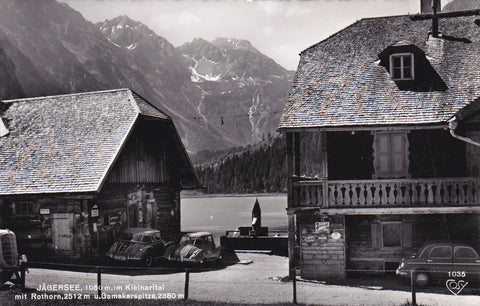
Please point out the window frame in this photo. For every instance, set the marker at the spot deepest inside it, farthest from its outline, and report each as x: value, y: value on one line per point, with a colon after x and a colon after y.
x: 402, y: 67
x: 406, y: 238
x: 441, y: 246
x: 24, y: 208
x: 379, y: 172
x: 382, y: 233
x: 457, y: 247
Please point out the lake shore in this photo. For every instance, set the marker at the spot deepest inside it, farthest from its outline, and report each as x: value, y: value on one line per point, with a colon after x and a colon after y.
x: 220, y: 213
x: 232, y: 195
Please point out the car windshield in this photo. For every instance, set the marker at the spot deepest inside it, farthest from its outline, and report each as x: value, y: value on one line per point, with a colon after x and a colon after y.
x: 192, y: 240
x: 141, y: 238
x: 136, y: 237
x: 126, y: 236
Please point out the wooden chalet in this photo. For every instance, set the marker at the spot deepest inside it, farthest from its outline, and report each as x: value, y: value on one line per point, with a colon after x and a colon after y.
x: 77, y: 169
x: 383, y: 129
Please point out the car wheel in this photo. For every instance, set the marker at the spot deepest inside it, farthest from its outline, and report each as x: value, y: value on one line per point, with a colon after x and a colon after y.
x: 148, y: 260
x: 422, y: 278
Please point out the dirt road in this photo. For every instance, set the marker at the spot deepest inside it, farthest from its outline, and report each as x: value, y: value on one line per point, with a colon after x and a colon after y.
x: 262, y: 281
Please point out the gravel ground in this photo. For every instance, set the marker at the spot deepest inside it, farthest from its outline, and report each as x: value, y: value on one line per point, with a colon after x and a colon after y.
x: 263, y: 281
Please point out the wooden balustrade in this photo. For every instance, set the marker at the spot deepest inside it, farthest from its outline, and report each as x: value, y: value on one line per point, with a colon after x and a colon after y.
x: 389, y: 192
x: 308, y: 193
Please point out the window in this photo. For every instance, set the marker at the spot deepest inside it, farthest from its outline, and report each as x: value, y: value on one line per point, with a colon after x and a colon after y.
x: 401, y: 66
x: 391, y: 151
x: 441, y: 252
x: 156, y: 237
x: 465, y: 253
x: 24, y: 208
x: 147, y: 239
x: 391, y: 234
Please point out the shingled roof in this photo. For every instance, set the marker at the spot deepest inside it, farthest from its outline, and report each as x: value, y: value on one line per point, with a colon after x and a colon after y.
x: 340, y: 82
x: 66, y: 143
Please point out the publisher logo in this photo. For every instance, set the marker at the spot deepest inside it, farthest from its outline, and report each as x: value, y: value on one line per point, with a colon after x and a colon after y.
x: 456, y: 286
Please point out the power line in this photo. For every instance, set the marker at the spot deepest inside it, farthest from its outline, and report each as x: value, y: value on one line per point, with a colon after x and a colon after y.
x: 231, y: 116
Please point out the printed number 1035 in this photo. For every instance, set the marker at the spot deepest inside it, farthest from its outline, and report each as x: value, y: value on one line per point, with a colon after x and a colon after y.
x: 457, y: 274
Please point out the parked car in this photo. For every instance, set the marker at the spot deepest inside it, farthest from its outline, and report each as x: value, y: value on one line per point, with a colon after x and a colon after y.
x: 9, y: 259
x: 198, y: 247
x: 138, y: 246
x: 440, y: 261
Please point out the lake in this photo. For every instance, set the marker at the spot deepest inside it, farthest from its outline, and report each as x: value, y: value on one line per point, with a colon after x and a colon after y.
x: 221, y: 213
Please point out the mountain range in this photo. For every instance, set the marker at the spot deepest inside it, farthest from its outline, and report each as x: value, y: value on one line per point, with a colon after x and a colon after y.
x: 461, y: 5
x: 220, y: 94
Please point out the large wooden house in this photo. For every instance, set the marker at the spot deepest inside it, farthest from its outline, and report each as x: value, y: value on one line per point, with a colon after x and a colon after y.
x: 77, y: 169
x: 382, y: 129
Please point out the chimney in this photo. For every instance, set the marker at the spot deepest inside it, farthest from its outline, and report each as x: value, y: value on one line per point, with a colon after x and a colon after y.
x: 429, y: 6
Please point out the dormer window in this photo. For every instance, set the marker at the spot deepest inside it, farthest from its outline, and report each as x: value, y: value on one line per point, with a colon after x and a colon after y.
x: 401, y: 66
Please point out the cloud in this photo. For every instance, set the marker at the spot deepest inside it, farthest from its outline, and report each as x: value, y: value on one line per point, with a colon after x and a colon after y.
x: 268, y: 30
x: 186, y: 19
x: 269, y: 8
x: 294, y: 11
x: 163, y: 22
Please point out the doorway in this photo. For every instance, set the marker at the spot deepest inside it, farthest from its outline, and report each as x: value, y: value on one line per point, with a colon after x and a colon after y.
x: 62, y: 231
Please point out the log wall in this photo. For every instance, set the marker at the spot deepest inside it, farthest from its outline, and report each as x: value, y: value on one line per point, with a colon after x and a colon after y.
x: 144, y: 159
x: 164, y: 197
x: 365, y: 249
x: 34, y: 230
x: 322, y: 257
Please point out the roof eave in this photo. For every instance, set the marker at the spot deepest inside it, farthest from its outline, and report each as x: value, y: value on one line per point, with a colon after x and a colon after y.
x: 349, y: 128
x: 117, y: 154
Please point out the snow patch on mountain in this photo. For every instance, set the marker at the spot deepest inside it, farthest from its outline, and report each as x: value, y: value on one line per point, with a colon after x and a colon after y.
x: 197, y: 77
x: 113, y: 43
x: 253, y: 109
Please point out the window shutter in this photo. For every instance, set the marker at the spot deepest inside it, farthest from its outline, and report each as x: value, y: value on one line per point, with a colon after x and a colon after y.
x: 376, y: 230
x: 398, y: 153
x: 407, y: 235
x: 390, y: 154
x: 382, y: 154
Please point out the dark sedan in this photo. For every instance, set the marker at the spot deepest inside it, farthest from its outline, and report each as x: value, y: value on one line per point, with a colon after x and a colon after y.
x: 440, y: 261
x: 138, y: 246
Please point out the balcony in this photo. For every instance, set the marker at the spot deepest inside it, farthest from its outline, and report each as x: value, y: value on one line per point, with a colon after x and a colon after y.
x: 440, y: 192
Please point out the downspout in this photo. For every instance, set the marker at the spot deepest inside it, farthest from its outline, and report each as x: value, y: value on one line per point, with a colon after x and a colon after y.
x: 452, y: 125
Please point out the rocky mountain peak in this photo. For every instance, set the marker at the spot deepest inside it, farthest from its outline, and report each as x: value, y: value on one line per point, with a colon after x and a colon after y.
x: 125, y: 32
x: 233, y: 44
x: 219, y: 94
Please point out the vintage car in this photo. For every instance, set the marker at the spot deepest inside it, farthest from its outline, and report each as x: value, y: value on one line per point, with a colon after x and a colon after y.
x: 440, y: 261
x: 9, y: 260
x: 138, y: 246
x: 198, y: 248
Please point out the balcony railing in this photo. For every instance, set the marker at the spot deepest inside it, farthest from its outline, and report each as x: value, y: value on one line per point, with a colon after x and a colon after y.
x: 388, y: 192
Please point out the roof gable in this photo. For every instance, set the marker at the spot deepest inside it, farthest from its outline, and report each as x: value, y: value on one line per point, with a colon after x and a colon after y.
x: 340, y: 81
x: 66, y: 143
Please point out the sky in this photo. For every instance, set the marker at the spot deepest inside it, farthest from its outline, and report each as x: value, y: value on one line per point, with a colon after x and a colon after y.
x: 280, y: 29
